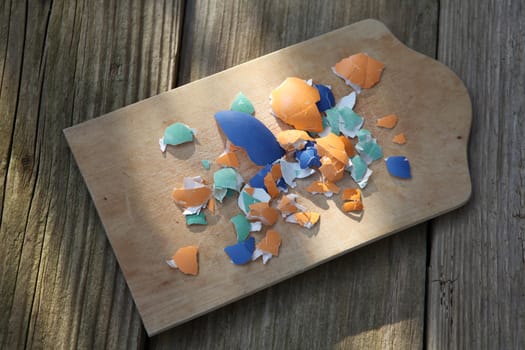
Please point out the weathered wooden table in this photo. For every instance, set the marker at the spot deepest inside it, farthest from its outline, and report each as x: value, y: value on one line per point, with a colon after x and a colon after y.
x: 455, y: 282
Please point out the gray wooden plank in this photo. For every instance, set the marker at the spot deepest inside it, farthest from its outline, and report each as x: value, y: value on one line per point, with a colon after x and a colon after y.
x: 477, y: 263
x: 64, y: 62
x: 372, y: 298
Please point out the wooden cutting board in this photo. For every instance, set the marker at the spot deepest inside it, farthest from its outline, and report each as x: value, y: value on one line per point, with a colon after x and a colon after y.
x: 131, y: 181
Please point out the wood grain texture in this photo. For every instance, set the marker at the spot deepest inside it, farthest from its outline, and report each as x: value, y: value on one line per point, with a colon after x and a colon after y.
x: 477, y: 266
x: 142, y: 222
x: 63, y: 62
x: 284, y: 312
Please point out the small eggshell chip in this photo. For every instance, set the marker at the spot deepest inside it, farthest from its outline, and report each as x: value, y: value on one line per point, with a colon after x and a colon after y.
x: 400, y: 139
x: 352, y: 198
x: 322, y: 187
x: 294, y: 102
x: 388, y: 121
x: 360, y: 70
x: 293, y: 139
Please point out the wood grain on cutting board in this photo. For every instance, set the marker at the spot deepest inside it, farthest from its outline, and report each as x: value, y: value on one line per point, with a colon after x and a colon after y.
x: 130, y: 180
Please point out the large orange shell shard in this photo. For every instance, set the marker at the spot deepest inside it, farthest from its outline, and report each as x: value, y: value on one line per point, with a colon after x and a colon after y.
x: 186, y: 260
x: 191, y: 197
x: 331, y: 146
x: 360, y: 70
x: 294, y: 102
x: 293, y: 139
x: 332, y: 170
x: 270, y: 243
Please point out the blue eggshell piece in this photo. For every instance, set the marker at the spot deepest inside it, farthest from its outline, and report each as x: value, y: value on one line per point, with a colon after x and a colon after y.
x: 241, y: 253
x: 308, y: 158
x: 258, y: 179
x: 248, y: 132
x: 327, y: 100
x: 398, y: 166
x: 282, y: 184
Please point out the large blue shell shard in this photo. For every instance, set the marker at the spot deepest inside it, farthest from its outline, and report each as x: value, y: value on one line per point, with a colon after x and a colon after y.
x: 398, y: 166
x: 248, y: 132
x: 327, y: 100
x: 241, y: 253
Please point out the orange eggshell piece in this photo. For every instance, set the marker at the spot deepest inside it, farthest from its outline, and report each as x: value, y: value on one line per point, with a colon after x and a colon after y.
x: 332, y: 169
x: 287, y: 206
x: 304, y: 218
x: 263, y: 212
x: 388, y: 121
x: 276, y: 171
x: 186, y: 260
x: 352, y: 196
x: 270, y: 185
x: 288, y: 138
x: 352, y: 206
x: 191, y: 197
x: 399, y: 139
x: 270, y: 243
x: 294, y: 102
x: 360, y: 69
x: 331, y: 146
x: 228, y: 159
x: 349, y: 147
x: 322, y: 187
x: 211, y: 205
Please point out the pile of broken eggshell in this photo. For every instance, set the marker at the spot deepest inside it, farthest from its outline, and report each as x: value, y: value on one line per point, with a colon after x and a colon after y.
x: 319, y: 143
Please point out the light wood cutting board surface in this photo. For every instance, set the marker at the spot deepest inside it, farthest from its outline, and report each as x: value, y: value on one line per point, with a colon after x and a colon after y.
x: 131, y: 181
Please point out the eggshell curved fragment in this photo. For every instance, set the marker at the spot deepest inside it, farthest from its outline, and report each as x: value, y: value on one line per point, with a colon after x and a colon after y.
x: 293, y: 139
x: 241, y: 253
x: 186, y: 261
x: 294, y: 102
x: 270, y: 243
x: 308, y: 157
x: 288, y: 205
x: 349, y: 147
x: 327, y: 99
x: 263, y: 212
x: 352, y: 198
x: 305, y: 219
x: 360, y: 70
x: 331, y: 146
x: 245, y: 131
x: 242, y: 104
x: 228, y: 159
x: 331, y: 169
x: 322, y: 187
x: 191, y: 197
x: 398, y: 166
x: 242, y: 227
x: 400, y: 139
x: 388, y: 121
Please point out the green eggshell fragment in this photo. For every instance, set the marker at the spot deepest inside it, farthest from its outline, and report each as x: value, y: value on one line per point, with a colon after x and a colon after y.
x: 351, y: 119
x: 332, y: 116
x: 196, y: 219
x: 358, y: 168
x: 206, y: 164
x: 242, y: 227
x: 363, y: 135
x: 226, y: 178
x: 242, y: 104
x: 177, y: 133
